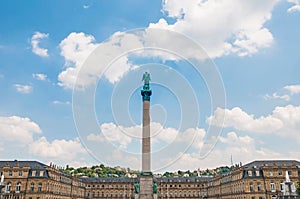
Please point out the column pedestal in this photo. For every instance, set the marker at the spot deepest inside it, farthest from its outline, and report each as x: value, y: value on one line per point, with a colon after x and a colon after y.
x: 146, y: 190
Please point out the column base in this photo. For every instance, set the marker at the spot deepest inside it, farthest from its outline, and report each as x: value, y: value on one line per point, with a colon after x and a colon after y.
x: 146, y: 190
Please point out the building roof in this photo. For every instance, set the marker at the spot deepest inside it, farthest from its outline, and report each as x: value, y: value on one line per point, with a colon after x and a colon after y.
x: 260, y: 163
x: 31, y: 164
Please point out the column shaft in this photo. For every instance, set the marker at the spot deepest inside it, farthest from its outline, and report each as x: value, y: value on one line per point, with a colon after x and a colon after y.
x: 146, y: 145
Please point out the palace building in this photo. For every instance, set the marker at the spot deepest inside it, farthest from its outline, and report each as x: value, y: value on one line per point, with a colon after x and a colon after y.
x: 256, y: 180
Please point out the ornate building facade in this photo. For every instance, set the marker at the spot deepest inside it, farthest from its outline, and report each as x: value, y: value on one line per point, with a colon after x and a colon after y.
x: 256, y: 180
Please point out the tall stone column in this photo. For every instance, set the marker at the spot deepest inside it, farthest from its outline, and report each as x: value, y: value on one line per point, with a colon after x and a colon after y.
x: 146, y: 178
x: 146, y: 160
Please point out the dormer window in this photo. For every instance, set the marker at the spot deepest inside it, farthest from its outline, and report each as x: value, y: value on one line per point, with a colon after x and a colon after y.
x: 249, y: 173
x: 257, y: 173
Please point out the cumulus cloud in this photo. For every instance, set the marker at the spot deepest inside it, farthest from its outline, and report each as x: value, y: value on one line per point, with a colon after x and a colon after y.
x: 295, y: 7
x: 35, y: 41
x: 123, y: 136
x: 24, y: 89
x: 40, y: 76
x: 293, y: 89
x: 57, y: 149
x: 284, y: 121
x: 235, y: 146
x: 77, y: 47
x: 20, y: 129
x: 222, y: 27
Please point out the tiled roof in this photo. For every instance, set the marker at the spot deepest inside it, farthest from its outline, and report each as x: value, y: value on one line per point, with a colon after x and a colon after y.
x: 260, y: 163
x: 31, y: 164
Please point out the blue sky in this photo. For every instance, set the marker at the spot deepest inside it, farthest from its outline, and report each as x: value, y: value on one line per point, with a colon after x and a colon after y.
x: 213, y: 67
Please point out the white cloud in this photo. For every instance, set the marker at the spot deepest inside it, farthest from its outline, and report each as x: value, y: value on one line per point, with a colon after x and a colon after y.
x: 241, y: 120
x: 222, y: 27
x: 40, y: 76
x: 295, y: 7
x: 20, y: 129
x: 124, y: 136
x: 24, y: 89
x: 57, y: 102
x: 284, y: 121
x: 86, y: 6
x: 77, y: 47
x: 293, y: 89
x: 35, y: 41
x: 277, y: 96
x: 57, y: 149
x: 241, y: 148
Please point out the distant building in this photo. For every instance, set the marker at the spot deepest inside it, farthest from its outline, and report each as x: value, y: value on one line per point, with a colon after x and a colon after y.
x: 256, y: 180
x: 34, y: 180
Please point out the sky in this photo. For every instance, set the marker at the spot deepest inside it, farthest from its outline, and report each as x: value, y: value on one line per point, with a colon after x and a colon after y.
x: 224, y: 79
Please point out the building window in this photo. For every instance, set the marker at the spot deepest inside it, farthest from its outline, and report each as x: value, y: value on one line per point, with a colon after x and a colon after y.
x: 271, y: 173
x: 33, y: 173
x: 290, y: 173
x: 39, y: 187
x: 280, y: 173
x: 18, y: 187
x: 10, y: 173
x: 273, y: 188
x: 20, y: 173
x: 32, y: 186
x: 251, y: 187
x: 257, y: 173
x: 281, y: 186
x: 249, y: 173
x: 259, y: 186
x: 7, y: 188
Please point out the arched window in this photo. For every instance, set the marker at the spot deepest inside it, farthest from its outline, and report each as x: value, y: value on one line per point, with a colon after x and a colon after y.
x: 7, y: 188
x: 18, y: 187
x: 40, y: 187
x: 32, y: 186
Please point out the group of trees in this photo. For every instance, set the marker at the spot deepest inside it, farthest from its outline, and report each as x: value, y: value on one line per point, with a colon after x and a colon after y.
x: 96, y: 171
x: 103, y: 171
